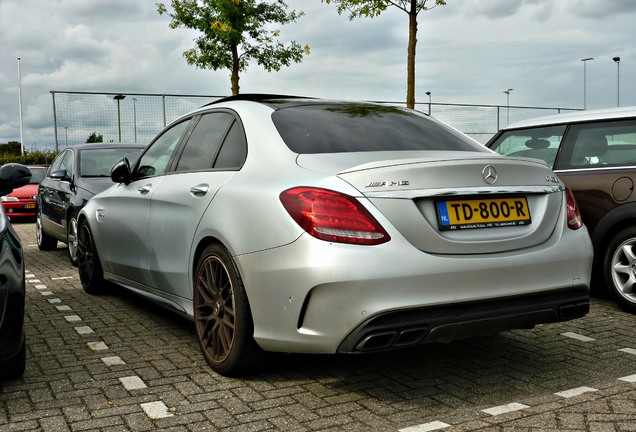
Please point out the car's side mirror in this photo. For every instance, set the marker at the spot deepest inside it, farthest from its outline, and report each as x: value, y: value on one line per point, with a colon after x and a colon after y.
x: 120, y: 172
x: 13, y: 176
x: 60, y: 174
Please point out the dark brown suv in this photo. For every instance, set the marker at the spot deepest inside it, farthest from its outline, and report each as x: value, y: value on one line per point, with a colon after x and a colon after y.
x: 594, y: 153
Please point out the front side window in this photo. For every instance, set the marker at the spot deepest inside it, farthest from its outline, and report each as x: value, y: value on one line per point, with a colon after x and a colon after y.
x: 539, y: 143
x: 155, y: 160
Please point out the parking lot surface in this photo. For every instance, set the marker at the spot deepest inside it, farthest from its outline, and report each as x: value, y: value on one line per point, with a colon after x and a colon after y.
x: 119, y: 363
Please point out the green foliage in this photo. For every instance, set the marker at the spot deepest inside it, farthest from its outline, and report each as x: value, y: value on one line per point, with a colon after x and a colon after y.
x: 29, y: 158
x: 235, y: 32
x: 94, y: 138
x: 12, y: 147
x: 373, y: 8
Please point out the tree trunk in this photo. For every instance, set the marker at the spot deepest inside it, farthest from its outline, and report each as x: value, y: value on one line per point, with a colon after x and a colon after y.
x: 410, y: 67
x: 234, y: 79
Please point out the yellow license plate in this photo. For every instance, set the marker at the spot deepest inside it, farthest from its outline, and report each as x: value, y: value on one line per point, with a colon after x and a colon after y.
x: 483, y: 213
x: 29, y: 205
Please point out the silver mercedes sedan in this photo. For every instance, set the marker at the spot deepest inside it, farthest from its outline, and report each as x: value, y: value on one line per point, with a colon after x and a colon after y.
x: 300, y: 225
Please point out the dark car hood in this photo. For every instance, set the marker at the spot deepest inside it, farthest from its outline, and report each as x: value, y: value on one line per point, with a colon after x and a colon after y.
x: 94, y: 185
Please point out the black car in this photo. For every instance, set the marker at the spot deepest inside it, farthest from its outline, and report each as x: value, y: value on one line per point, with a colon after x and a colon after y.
x: 12, y: 290
x: 76, y: 174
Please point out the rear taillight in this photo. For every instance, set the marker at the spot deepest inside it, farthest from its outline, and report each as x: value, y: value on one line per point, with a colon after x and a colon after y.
x: 333, y: 216
x: 575, y: 221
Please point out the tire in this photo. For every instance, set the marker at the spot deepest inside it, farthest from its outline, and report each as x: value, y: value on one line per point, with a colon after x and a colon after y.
x: 71, y: 238
x: 222, y: 316
x: 14, y: 367
x: 619, y: 268
x: 88, y: 264
x: 44, y: 241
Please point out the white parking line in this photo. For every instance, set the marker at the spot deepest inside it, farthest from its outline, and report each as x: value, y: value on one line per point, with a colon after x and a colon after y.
x: 575, y: 392
x: 503, y: 409
x: 63, y: 308
x: 112, y: 361
x: 426, y: 427
x: 629, y: 378
x: 578, y: 337
x: 132, y: 383
x: 62, y: 278
x: 97, y: 346
x: 72, y: 318
x: 156, y: 410
x: 83, y: 330
x: 628, y: 350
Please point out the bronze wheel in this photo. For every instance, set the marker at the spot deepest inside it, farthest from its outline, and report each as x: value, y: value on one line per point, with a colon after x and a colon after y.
x: 222, y: 315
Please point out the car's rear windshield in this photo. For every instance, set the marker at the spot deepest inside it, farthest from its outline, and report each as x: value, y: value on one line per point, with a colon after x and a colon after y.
x: 359, y: 127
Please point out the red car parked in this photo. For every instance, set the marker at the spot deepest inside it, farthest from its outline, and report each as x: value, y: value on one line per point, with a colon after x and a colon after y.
x: 21, y: 202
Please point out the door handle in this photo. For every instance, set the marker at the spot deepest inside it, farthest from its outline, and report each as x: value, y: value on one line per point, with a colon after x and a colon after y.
x: 199, y: 190
x: 143, y: 190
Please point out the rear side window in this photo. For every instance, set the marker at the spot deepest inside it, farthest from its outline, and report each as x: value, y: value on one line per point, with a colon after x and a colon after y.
x: 598, y: 145
x: 539, y: 143
x: 204, y: 142
x: 353, y: 127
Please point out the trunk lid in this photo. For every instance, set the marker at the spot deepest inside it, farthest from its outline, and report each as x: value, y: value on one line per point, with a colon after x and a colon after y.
x: 475, y: 189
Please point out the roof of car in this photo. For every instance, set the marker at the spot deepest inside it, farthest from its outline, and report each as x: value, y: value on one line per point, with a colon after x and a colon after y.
x: 576, y: 117
x: 91, y: 146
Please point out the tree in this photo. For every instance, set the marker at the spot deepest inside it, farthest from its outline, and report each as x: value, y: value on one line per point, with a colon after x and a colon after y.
x: 94, y: 138
x: 235, y: 32
x: 373, y: 8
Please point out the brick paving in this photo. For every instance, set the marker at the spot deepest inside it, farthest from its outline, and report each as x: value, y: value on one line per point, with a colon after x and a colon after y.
x: 118, y: 363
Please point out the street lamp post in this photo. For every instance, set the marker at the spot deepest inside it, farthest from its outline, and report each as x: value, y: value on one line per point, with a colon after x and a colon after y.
x: 618, y: 80
x: 135, y: 116
x: 118, y: 98
x: 507, y: 92
x: 429, y: 102
x: 20, y: 107
x: 585, y: 60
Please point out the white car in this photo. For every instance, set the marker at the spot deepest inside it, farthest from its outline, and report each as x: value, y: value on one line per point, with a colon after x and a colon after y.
x: 304, y: 225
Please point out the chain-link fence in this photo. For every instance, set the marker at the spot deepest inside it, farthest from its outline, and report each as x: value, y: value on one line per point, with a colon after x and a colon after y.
x: 137, y: 117
x: 117, y: 117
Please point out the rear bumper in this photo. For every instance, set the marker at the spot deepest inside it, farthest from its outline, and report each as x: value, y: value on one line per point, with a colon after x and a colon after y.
x: 19, y: 208
x: 400, y: 329
x: 318, y: 297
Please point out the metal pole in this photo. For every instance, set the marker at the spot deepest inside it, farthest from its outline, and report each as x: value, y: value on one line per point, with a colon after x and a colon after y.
x: 20, y: 107
x: 507, y: 92
x: 585, y: 60
x: 135, y: 117
x: 55, y: 122
x: 429, y: 102
x: 618, y: 80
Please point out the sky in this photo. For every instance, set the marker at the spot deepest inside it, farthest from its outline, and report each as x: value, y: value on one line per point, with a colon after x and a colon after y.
x: 468, y: 52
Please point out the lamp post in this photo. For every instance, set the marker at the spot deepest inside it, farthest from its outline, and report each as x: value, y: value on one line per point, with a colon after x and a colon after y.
x: 507, y: 92
x: 118, y: 98
x: 618, y: 80
x: 429, y: 102
x: 135, y: 116
x: 585, y: 60
x: 20, y: 107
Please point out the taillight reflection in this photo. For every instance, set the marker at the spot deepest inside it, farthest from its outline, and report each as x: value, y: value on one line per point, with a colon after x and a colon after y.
x: 333, y: 216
